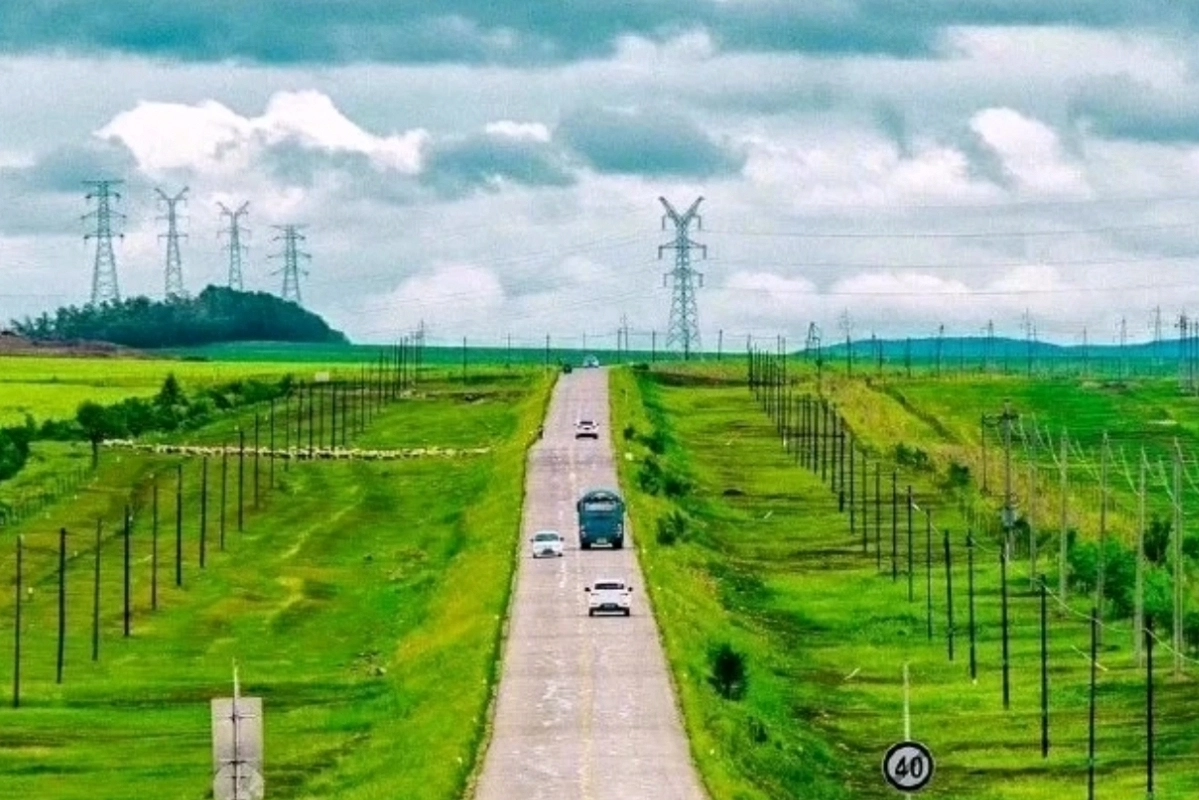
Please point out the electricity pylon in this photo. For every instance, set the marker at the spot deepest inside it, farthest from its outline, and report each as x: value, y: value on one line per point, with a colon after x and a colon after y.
x: 104, y: 270
x: 684, y: 316
x: 291, y: 255
x: 174, y: 264
x: 236, y: 248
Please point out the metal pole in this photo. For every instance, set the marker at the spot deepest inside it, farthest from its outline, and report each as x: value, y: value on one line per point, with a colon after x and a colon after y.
x: 894, y: 525
x: 949, y: 631
x: 154, y: 549
x: 970, y: 606
x: 1044, y: 668
x: 911, y: 570
x: 1091, y: 710
x: 96, y: 594
x: 62, y: 603
x: 16, y: 653
x: 203, y: 511
x: 179, y: 525
x: 1149, y: 711
x: 241, y: 478
x: 1007, y: 692
x: 128, y: 578
x: 928, y: 550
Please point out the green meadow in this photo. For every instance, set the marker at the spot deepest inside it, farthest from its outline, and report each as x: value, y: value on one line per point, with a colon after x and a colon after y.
x: 340, y: 598
x: 766, y: 563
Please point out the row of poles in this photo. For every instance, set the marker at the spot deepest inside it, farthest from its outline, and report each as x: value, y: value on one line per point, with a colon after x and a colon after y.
x: 820, y: 440
x: 348, y: 406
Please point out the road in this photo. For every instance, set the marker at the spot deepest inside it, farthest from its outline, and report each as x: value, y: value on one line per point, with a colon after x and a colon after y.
x: 585, y: 708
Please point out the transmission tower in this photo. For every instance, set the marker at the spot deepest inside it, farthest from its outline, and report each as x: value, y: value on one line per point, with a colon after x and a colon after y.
x: 104, y: 271
x: 684, y: 317
x: 291, y: 255
x: 174, y: 265
x: 236, y: 249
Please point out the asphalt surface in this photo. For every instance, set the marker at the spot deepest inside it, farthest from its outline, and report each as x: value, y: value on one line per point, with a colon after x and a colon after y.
x: 585, y: 707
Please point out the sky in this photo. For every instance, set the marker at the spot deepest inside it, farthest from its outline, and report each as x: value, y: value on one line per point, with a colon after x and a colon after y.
x: 495, y: 169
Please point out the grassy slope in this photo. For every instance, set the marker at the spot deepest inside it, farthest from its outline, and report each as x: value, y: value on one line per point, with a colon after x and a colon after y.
x: 774, y: 572
x: 348, y: 568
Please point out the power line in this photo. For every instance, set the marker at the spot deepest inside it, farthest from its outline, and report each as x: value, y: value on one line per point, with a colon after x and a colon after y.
x: 684, y: 315
x: 104, y: 269
x: 235, y: 247
x: 174, y: 263
x: 291, y: 255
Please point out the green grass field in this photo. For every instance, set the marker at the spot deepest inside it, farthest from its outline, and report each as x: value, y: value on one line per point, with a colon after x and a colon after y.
x: 342, y: 602
x: 768, y: 566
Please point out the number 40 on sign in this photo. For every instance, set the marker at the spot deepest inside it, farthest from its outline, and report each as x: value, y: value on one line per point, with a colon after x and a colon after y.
x: 908, y: 766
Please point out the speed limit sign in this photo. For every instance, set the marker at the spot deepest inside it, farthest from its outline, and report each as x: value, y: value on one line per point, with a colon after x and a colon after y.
x: 908, y: 766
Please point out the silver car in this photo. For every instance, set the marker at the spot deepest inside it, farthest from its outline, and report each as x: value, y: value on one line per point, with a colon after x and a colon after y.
x: 547, y: 543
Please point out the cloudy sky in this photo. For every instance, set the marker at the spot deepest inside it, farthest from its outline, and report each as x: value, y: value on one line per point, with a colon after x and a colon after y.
x: 494, y: 168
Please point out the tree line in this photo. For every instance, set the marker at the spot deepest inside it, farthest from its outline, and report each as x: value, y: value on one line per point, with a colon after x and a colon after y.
x: 216, y: 315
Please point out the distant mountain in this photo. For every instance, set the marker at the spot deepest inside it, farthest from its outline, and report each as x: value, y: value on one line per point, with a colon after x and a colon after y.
x: 216, y: 315
x: 977, y: 348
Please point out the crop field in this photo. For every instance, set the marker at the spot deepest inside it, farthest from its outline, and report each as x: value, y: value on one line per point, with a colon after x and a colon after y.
x: 765, y: 562
x: 339, y: 596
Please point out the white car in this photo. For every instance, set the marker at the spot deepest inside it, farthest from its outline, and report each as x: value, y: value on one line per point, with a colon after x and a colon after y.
x: 547, y: 543
x: 587, y: 429
x: 609, y: 595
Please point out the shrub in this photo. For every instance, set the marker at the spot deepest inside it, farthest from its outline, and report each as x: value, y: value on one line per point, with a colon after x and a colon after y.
x: 672, y: 528
x: 649, y: 477
x: 675, y: 485
x: 912, y: 457
x: 630, y: 433
x: 656, y: 442
x: 729, y: 676
x: 959, y: 476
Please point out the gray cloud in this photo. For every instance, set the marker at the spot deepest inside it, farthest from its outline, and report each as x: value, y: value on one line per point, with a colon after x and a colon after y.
x: 457, y: 166
x: 522, y: 31
x: 647, y: 143
x: 47, y: 196
x: 1121, y: 107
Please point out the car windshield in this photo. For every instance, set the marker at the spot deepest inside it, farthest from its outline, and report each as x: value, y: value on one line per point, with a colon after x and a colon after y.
x: 609, y: 585
x: 546, y: 536
x: 586, y: 422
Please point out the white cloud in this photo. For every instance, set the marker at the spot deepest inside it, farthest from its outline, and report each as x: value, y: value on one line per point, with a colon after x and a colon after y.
x: 210, y: 138
x: 1030, y: 151
x: 521, y: 131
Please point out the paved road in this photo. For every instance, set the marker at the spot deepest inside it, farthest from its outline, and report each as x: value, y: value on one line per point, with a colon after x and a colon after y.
x: 585, y: 708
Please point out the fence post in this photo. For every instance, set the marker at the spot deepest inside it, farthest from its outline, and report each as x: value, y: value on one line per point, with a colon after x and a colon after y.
x: 949, y: 594
x: 911, y: 570
x: 241, y: 478
x: 16, y: 653
x: 204, y: 513
x: 1003, y: 559
x: 257, y: 455
x: 128, y: 575
x: 179, y: 525
x: 970, y: 595
x: 1044, y: 668
x: 1149, y: 754
x: 894, y: 525
x: 224, y: 490
x: 62, y: 603
x: 271, y: 446
x: 928, y: 552
x: 154, y: 548
x: 96, y: 594
x: 1091, y: 705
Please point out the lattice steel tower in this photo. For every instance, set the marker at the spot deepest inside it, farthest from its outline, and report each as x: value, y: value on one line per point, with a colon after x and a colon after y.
x: 104, y: 271
x: 291, y: 255
x: 684, y: 317
x: 174, y: 264
x: 236, y: 248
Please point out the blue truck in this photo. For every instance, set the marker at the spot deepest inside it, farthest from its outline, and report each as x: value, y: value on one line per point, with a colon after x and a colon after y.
x: 601, y: 519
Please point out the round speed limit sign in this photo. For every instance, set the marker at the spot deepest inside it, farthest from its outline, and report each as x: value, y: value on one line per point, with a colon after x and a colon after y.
x: 908, y: 766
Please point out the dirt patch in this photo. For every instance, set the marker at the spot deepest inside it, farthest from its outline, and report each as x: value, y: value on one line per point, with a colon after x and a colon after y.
x: 12, y: 344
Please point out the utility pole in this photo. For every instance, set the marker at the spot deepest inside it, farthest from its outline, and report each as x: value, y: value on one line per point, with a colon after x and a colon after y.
x: 104, y: 270
x: 940, y: 345
x: 847, y: 328
x: 1157, y: 337
x: 684, y: 316
x: 174, y: 264
x: 236, y: 249
x: 291, y: 255
x: 1123, y: 342
x: 1029, y: 333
